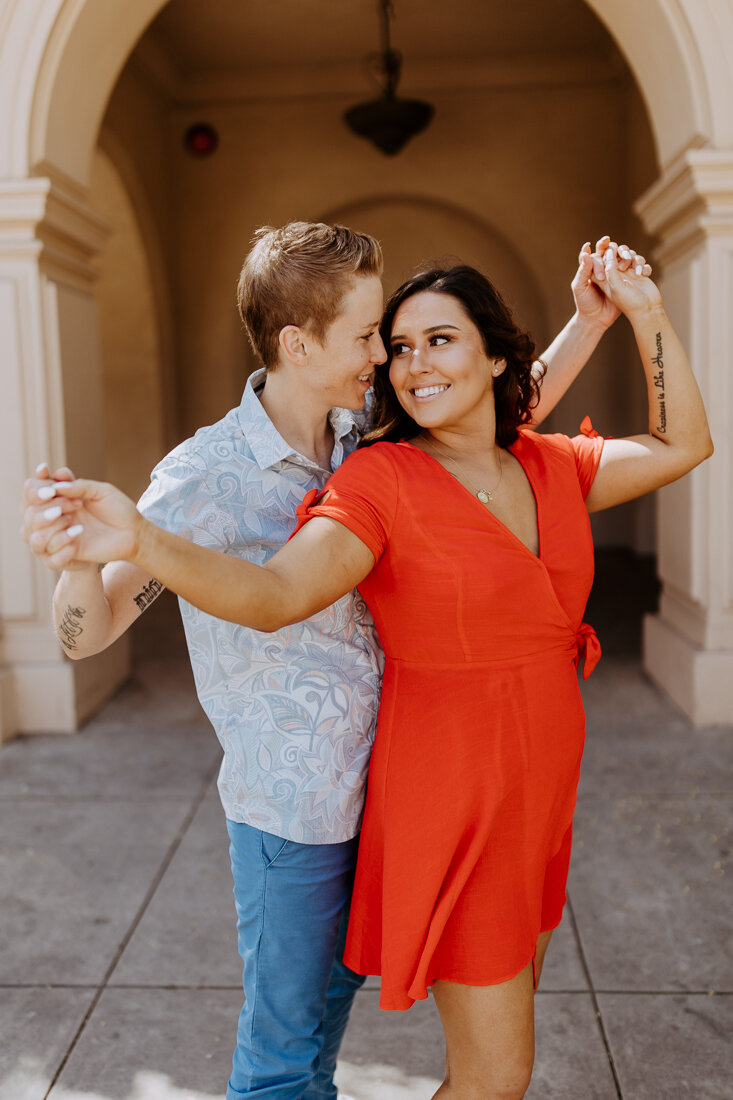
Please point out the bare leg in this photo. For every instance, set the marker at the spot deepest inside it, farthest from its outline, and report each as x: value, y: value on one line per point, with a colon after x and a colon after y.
x: 489, y: 1035
x: 543, y: 942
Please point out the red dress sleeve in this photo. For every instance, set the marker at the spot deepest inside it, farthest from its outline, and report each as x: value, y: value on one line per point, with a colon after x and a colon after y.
x: 362, y: 495
x: 587, y: 449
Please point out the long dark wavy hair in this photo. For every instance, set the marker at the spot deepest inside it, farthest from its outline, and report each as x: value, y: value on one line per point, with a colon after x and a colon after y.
x: 516, y: 390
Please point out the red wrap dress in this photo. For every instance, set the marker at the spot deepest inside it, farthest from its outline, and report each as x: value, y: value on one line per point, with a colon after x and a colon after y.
x: 465, y: 845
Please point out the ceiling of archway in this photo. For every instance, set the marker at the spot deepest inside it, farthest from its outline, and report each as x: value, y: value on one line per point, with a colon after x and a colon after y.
x: 195, y: 39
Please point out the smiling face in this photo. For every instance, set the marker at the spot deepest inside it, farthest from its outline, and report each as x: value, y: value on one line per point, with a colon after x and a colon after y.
x: 440, y: 371
x: 341, y: 368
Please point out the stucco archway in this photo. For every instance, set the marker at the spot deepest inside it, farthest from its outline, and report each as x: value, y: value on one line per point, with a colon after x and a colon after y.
x: 416, y: 232
x: 49, y: 237
x: 49, y: 45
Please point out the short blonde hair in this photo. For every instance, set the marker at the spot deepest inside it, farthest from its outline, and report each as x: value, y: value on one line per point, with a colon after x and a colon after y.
x: 299, y: 275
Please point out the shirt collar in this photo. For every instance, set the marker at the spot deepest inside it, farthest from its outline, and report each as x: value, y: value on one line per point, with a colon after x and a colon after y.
x: 267, y: 445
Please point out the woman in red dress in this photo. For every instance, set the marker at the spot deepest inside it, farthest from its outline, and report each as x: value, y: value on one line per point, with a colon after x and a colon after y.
x: 468, y: 535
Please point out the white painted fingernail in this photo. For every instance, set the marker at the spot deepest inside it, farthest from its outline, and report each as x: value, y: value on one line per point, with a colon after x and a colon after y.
x: 639, y: 270
x: 624, y: 253
x: 608, y: 255
x: 48, y: 492
x: 72, y: 532
x: 53, y: 513
x: 41, y: 467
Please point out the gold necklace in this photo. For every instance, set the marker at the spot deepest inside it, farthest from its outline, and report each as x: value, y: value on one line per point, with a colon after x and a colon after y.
x: 486, y: 496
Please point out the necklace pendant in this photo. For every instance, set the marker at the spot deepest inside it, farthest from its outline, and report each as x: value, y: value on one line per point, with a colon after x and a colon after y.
x: 484, y: 496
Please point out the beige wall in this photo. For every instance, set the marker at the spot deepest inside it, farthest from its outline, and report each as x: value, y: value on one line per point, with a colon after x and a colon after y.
x: 131, y: 358
x: 511, y: 161
x: 417, y: 233
x: 139, y: 118
x: 136, y: 137
x: 511, y: 179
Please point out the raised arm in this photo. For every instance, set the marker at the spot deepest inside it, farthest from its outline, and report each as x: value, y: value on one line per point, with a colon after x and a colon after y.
x: 322, y: 563
x: 679, y: 436
x: 594, y: 313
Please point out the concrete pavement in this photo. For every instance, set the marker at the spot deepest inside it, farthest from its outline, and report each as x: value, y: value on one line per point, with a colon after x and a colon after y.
x: 119, y: 976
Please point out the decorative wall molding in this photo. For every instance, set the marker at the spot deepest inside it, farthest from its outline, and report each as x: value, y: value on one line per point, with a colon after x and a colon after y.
x: 693, y: 199
x: 46, y: 218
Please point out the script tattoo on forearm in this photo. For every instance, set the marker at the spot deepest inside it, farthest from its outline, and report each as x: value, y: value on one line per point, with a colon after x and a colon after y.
x: 658, y: 378
x: 70, y: 628
x: 149, y: 593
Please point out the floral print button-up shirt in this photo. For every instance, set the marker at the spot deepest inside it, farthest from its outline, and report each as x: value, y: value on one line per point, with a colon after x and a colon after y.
x: 295, y: 711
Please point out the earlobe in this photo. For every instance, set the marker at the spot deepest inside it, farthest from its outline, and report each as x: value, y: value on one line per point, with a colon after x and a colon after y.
x: 498, y: 368
x: 292, y: 344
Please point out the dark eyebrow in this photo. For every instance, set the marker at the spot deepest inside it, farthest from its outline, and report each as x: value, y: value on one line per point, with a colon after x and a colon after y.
x: 426, y: 331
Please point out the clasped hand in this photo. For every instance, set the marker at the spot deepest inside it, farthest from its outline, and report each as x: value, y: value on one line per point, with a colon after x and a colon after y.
x: 613, y: 279
x: 71, y: 524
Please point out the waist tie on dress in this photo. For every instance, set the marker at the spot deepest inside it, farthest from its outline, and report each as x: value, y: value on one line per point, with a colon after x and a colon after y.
x: 588, y: 647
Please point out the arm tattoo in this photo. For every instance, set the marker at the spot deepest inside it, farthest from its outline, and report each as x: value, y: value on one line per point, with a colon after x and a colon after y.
x: 149, y: 593
x: 658, y: 361
x: 70, y: 628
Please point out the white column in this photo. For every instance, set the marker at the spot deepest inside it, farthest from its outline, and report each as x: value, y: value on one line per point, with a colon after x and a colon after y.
x: 688, y: 646
x: 51, y: 410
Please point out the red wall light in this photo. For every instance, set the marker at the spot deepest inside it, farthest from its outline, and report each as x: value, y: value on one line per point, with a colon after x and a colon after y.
x: 201, y: 139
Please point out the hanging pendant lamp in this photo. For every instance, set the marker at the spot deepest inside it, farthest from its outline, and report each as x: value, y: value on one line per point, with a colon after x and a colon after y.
x: 389, y: 122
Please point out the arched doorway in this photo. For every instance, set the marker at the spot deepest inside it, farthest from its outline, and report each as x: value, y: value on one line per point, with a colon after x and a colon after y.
x: 58, y: 67
x: 416, y: 232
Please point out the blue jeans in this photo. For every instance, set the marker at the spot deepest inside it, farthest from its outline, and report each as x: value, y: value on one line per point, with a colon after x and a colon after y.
x: 292, y: 910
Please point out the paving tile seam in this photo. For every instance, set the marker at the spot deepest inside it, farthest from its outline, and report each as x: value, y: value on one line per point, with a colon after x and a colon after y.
x: 643, y: 992
x: 649, y: 796
x: 168, y: 987
x: 171, y: 797
x: 150, y: 893
x: 711, y: 993
x: 173, y: 988
x: 653, y: 725
x: 114, y: 985
x: 594, y: 1000
x: 142, y: 720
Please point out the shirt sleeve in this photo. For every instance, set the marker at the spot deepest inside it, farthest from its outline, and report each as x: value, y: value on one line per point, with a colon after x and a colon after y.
x: 362, y: 495
x: 179, y: 500
x: 587, y: 449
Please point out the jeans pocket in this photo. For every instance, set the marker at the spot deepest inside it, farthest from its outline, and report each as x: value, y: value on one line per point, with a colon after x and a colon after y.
x: 272, y: 848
